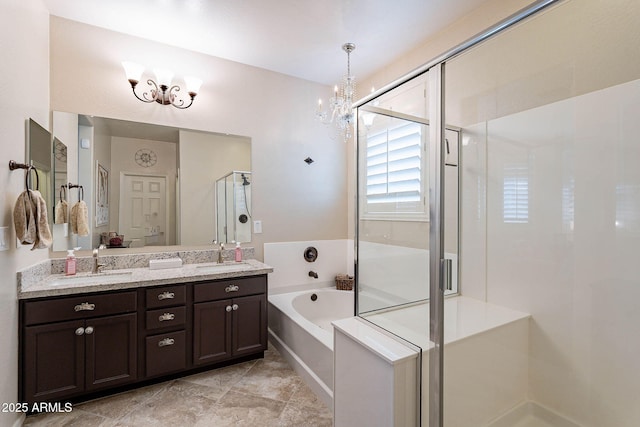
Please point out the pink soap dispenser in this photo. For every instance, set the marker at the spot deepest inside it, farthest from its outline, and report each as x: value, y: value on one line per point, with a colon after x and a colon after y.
x: 70, y: 263
x: 238, y: 252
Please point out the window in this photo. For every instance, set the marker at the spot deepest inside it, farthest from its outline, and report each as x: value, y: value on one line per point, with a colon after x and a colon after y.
x: 515, y: 203
x: 395, y: 179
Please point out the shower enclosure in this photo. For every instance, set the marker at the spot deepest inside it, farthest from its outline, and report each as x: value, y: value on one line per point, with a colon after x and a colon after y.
x: 498, y: 218
x: 233, y: 207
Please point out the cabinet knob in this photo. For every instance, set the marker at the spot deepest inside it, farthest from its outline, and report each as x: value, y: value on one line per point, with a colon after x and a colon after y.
x: 80, y: 331
x: 85, y: 306
x: 165, y: 342
x: 166, y: 316
x: 166, y: 295
x: 232, y: 288
x: 88, y: 330
x: 235, y: 307
x: 229, y: 308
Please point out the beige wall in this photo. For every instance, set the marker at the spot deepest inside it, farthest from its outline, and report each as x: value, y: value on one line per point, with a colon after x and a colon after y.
x: 24, y: 84
x: 295, y: 201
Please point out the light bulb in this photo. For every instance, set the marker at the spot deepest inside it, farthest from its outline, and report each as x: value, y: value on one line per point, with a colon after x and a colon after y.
x: 163, y: 76
x: 132, y: 70
x: 193, y: 84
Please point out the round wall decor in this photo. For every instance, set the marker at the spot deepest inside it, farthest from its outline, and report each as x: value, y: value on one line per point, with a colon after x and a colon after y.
x: 60, y: 150
x: 145, y: 157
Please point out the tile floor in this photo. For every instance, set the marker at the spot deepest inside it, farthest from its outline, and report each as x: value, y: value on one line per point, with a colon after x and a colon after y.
x: 264, y: 392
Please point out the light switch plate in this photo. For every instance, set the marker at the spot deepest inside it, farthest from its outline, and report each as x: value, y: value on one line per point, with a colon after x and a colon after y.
x: 257, y: 227
x: 4, y: 238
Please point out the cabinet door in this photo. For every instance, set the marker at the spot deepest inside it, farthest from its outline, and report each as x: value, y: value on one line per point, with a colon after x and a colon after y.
x: 249, y: 325
x: 211, y: 332
x: 166, y: 353
x: 111, y: 350
x: 53, y: 361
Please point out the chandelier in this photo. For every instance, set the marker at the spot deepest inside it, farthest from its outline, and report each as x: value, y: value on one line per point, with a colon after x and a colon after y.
x: 162, y: 90
x: 340, y: 111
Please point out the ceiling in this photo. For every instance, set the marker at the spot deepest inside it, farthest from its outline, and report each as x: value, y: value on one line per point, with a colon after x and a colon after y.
x: 301, y: 38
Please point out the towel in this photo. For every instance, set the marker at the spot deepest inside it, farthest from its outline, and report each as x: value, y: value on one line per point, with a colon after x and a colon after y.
x: 61, y: 212
x: 80, y: 219
x: 31, y: 221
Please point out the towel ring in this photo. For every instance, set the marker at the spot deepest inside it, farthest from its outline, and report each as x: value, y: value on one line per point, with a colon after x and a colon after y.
x: 63, y: 190
x: 27, y: 178
x: 80, y: 190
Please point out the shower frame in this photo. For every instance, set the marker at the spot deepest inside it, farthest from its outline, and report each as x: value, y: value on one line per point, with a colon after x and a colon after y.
x: 439, y: 271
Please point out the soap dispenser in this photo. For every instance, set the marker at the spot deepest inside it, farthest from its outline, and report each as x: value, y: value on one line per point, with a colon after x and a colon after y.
x: 238, y: 252
x: 70, y: 263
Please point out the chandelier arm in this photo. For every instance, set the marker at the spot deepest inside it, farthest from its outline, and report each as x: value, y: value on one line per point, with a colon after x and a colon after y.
x: 181, y: 104
x: 154, y: 92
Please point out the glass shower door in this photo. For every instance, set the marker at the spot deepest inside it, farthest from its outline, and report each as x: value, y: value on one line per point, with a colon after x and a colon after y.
x: 404, y: 229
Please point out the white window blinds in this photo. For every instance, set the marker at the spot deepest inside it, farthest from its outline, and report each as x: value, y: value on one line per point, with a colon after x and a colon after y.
x: 394, y: 160
x: 515, y: 204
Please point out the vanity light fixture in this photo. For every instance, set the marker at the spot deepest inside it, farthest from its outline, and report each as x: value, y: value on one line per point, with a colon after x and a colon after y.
x: 162, y: 91
x: 340, y: 105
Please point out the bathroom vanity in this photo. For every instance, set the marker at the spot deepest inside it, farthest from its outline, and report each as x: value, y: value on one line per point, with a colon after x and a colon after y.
x: 80, y: 339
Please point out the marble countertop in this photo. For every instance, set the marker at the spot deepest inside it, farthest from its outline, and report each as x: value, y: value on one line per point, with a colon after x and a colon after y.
x: 133, y: 278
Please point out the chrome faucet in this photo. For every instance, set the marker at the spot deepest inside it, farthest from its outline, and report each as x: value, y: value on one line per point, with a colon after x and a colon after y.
x: 220, y: 251
x: 97, y: 267
x: 221, y: 254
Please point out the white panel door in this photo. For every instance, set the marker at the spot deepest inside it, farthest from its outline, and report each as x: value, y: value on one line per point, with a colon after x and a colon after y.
x: 143, y: 209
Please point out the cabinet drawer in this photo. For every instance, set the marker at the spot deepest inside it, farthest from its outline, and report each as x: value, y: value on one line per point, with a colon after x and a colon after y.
x: 166, y: 317
x: 166, y: 353
x: 81, y: 307
x: 166, y: 296
x: 229, y: 288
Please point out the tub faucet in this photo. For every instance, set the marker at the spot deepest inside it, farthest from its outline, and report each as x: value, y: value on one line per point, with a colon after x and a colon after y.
x: 313, y: 274
x: 97, y: 267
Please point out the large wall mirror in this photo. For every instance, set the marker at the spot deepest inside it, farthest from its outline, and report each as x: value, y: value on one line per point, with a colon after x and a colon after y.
x: 147, y: 185
x: 39, y: 155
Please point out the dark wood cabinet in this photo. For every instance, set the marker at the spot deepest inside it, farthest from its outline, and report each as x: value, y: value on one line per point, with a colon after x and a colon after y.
x: 53, y: 361
x: 111, y: 351
x: 249, y: 325
x: 66, y: 358
x: 231, y: 327
x: 211, y: 332
x: 74, y: 346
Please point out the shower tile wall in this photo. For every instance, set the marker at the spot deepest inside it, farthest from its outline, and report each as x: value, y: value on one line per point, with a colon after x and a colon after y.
x: 569, y: 255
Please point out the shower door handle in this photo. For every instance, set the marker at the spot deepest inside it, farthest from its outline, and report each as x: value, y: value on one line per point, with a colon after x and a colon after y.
x: 445, y: 275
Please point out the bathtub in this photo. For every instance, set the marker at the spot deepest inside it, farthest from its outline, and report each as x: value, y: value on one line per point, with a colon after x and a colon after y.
x: 300, y: 328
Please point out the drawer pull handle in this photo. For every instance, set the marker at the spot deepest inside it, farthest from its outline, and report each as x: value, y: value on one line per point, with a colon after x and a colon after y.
x: 84, y: 307
x: 80, y: 331
x: 232, y: 288
x: 166, y: 295
x: 235, y: 307
x: 166, y: 316
x: 88, y: 330
x: 165, y: 342
x: 228, y: 308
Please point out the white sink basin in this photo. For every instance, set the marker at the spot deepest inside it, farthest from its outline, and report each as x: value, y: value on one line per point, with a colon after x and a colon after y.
x: 222, y: 268
x: 91, y: 279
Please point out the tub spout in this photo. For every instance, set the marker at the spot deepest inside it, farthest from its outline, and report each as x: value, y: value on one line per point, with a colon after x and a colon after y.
x: 313, y: 274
